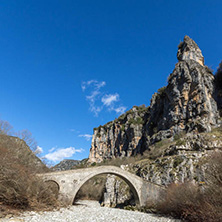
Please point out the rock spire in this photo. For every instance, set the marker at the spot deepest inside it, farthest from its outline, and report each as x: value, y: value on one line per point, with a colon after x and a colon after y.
x: 189, y: 50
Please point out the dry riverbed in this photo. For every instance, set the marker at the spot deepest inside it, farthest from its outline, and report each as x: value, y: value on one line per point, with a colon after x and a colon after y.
x: 88, y: 211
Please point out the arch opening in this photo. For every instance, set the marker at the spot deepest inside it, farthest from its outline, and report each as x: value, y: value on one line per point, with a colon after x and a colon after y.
x: 97, y: 184
x: 53, y: 186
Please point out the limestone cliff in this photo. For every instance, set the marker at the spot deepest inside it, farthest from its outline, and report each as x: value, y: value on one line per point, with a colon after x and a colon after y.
x: 186, y: 104
x: 121, y: 137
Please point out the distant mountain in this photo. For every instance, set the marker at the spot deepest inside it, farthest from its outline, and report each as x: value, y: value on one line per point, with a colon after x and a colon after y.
x: 65, y: 165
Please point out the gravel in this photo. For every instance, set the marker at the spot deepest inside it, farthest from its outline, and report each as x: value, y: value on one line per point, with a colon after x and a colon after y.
x: 88, y: 211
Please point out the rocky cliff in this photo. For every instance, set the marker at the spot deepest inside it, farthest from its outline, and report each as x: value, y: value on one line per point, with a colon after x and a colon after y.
x: 121, y: 137
x: 187, y: 104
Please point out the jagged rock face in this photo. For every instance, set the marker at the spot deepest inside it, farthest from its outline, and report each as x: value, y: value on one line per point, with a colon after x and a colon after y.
x: 189, y: 50
x: 186, y: 104
x: 181, y: 161
x: 116, y: 192
x: 122, y: 137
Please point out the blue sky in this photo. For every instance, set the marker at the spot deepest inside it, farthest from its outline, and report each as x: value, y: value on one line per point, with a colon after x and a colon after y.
x: 69, y: 66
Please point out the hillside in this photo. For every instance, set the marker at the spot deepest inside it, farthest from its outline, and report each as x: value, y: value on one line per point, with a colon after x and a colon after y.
x: 20, y: 188
x: 15, y: 148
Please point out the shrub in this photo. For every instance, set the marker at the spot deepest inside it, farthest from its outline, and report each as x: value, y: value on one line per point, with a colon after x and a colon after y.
x: 136, y: 121
x: 194, y: 202
x: 20, y: 187
x: 93, y: 164
x: 161, y: 90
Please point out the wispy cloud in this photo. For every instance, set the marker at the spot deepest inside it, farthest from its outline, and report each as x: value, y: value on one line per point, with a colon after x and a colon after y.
x: 86, y: 136
x: 98, y: 100
x: 61, y: 153
x: 94, y: 94
x: 94, y: 83
x: 108, y: 100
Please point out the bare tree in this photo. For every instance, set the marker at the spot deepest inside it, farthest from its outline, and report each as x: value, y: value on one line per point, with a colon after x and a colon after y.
x: 28, y: 138
x: 5, y: 127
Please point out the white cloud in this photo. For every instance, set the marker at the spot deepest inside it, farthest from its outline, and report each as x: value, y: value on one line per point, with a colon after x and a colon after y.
x: 83, y: 87
x: 108, y: 100
x: 86, y: 136
x: 61, y: 153
x: 100, y: 84
x: 92, y: 102
x: 120, y: 110
x: 52, y: 149
x: 38, y: 150
x: 98, y: 100
x: 94, y: 94
x: 95, y: 109
x: 94, y: 83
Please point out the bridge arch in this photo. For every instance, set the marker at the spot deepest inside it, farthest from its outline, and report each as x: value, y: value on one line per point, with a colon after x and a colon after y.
x: 105, y: 171
x: 53, y: 182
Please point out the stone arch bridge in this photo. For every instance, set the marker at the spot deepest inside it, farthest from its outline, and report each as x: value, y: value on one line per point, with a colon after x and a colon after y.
x: 69, y: 182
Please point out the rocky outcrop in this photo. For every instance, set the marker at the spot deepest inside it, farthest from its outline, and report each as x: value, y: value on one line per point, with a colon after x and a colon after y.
x: 183, y: 159
x: 121, y: 137
x: 189, y: 50
x: 116, y: 193
x: 186, y: 104
x: 180, y: 161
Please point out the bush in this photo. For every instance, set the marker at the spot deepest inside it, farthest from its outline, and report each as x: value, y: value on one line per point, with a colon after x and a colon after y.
x: 194, y: 202
x: 20, y: 187
x: 161, y: 90
x: 137, y: 121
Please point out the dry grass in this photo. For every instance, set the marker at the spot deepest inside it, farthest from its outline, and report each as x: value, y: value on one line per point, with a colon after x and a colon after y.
x: 197, y: 203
